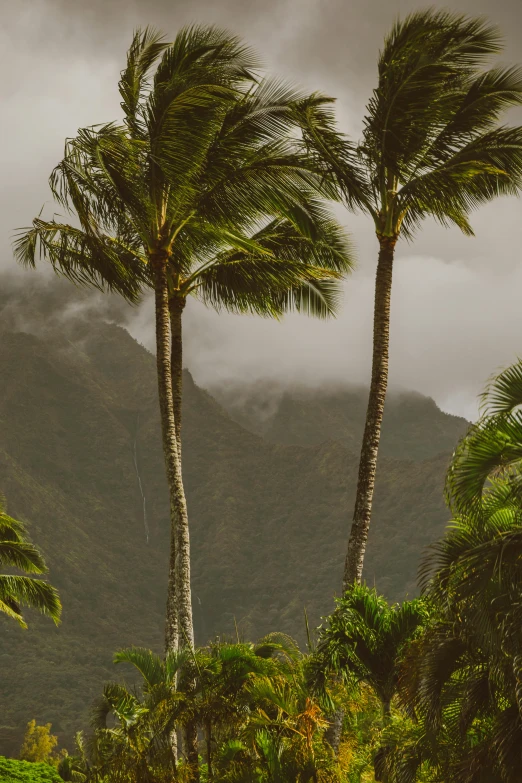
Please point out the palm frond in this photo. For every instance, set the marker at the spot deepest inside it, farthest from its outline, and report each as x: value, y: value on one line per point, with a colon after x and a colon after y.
x: 504, y: 391
x: 146, y: 47
x: 34, y: 593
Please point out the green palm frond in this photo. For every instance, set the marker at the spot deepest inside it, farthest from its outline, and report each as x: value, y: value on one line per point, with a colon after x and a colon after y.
x: 120, y: 702
x: 149, y: 665
x: 365, y: 639
x: 84, y: 258
x: 22, y: 555
x: 504, y: 391
x: 17, y: 591
x: 484, y: 168
x: 425, y: 60
x: 147, y: 45
x: 17, y: 551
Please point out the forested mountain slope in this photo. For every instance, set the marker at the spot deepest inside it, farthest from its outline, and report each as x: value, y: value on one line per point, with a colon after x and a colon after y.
x: 269, y: 513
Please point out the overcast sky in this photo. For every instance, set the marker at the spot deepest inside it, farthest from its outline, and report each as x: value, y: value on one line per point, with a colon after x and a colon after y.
x: 456, y: 313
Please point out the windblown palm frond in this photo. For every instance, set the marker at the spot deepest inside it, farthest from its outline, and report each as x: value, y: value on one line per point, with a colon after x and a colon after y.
x: 432, y: 144
x: 16, y: 551
x: 206, y: 166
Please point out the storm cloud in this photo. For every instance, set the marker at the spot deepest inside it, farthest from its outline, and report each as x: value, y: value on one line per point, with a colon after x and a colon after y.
x: 456, y: 312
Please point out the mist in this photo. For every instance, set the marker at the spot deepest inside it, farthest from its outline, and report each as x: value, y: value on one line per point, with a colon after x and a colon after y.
x: 455, y: 310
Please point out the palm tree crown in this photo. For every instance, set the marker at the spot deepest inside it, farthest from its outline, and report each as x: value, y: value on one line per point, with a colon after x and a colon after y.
x: 204, y: 175
x: 431, y: 143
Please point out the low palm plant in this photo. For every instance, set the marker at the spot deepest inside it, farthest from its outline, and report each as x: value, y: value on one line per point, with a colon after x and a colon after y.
x: 17, y: 551
x: 364, y: 640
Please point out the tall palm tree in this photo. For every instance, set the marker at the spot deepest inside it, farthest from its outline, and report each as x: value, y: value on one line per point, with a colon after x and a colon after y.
x: 17, y: 551
x: 203, y: 190
x: 432, y: 146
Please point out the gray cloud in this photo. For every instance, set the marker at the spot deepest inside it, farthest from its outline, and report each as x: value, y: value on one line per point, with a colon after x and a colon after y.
x: 456, y: 315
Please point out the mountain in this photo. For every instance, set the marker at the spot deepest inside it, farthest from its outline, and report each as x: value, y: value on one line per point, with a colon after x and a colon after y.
x: 414, y: 427
x: 269, y: 501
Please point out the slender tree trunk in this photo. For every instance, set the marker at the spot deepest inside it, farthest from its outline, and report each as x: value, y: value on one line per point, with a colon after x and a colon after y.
x: 333, y: 733
x: 370, y: 446
x: 170, y: 450
x: 182, y: 575
x: 182, y: 565
x: 372, y: 430
x: 192, y: 750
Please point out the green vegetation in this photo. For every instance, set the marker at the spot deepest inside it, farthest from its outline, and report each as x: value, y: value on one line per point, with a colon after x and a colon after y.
x: 38, y: 744
x: 12, y: 771
x: 429, y: 689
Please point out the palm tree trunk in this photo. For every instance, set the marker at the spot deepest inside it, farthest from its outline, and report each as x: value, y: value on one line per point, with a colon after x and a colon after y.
x: 192, y: 751
x: 370, y: 446
x: 182, y: 566
x: 334, y: 731
x: 372, y: 430
x: 182, y: 575
x: 170, y: 451
x: 168, y: 431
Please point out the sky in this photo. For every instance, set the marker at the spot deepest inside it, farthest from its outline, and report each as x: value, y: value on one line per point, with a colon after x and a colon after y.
x: 456, y: 314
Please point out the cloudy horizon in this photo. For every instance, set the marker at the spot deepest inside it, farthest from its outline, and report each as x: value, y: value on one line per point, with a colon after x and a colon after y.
x: 456, y: 316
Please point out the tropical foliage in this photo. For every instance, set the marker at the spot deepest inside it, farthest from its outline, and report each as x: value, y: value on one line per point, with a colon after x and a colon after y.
x: 13, y: 771
x: 17, y: 551
x: 430, y: 689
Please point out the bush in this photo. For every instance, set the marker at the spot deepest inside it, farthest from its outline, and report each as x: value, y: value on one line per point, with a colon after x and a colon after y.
x: 13, y: 771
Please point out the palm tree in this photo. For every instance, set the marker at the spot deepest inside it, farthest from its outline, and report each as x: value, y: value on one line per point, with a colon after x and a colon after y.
x: 431, y: 146
x: 133, y: 731
x: 365, y: 639
x: 16, y: 551
x: 204, y: 190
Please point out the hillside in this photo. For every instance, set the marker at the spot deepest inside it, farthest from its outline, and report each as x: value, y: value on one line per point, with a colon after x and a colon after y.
x: 269, y: 512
